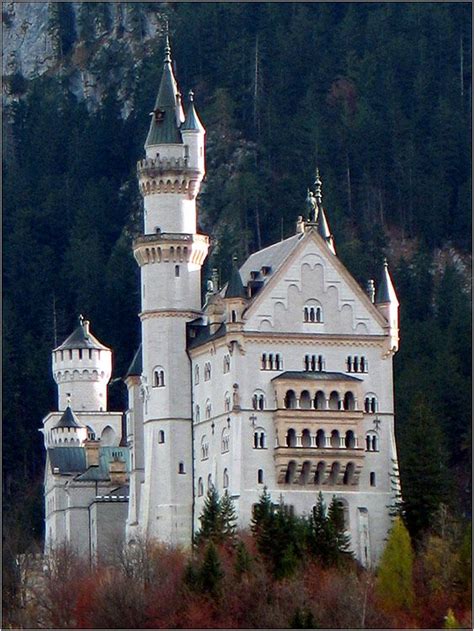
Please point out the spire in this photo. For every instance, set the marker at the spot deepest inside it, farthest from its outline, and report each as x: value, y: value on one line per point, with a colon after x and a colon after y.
x: 135, y: 368
x: 235, y: 287
x: 167, y: 113
x: 192, y: 122
x: 68, y: 419
x: 81, y: 337
x: 386, y: 291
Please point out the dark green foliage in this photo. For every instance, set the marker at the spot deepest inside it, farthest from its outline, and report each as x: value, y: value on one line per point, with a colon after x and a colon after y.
x: 424, y: 474
x: 211, y: 572
x: 326, y: 538
x: 217, y: 519
x: 379, y: 96
x: 243, y: 560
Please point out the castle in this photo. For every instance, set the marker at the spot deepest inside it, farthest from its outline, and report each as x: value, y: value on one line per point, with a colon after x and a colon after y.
x: 283, y: 379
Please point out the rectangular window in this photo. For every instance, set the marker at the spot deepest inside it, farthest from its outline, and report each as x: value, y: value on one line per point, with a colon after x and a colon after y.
x: 372, y: 478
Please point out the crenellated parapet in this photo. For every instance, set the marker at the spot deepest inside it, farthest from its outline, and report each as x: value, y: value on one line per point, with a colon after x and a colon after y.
x: 168, y: 175
x: 171, y: 248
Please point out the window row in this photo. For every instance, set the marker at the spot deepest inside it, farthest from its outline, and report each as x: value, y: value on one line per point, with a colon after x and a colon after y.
x: 225, y: 444
x: 208, y: 370
x: 312, y: 314
x: 334, y: 440
x: 357, y: 364
x: 320, y: 401
x: 200, y: 483
x: 82, y: 353
x: 270, y: 361
x: 314, y: 363
x: 322, y: 474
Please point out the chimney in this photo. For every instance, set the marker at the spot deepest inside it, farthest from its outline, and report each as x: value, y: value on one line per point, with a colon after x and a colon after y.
x: 85, y: 325
x: 118, y: 471
x: 92, y: 452
x: 371, y: 290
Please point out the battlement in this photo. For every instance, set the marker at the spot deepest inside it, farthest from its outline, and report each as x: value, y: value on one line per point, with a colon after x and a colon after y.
x: 158, y: 166
x: 171, y: 247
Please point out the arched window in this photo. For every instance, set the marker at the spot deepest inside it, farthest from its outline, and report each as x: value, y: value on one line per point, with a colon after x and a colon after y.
x: 306, y: 314
x: 161, y: 436
x: 200, y: 488
x: 204, y: 448
x: 319, y: 474
x: 233, y: 316
x: 349, y: 440
x: 226, y: 367
x: 207, y: 371
x: 227, y: 402
x: 334, y: 475
x: 305, y: 471
x: 290, y: 399
x: 260, y: 476
x: 264, y: 362
x: 290, y: 472
x: 107, y: 438
x: 313, y: 312
x: 372, y: 478
x: 348, y: 473
x: 335, y: 439
x: 225, y: 479
x: 320, y: 439
x: 306, y: 438
x: 319, y: 314
x: 196, y: 375
x: 225, y: 438
x: 349, y: 401
x: 176, y: 271
x: 291, y: 438
x: 209, y: 481
x: 208, y: 409
x: 259, y: 438
x: 278, y: 362
x: 197, y: 414
x: 158, y: 377
x: 258, y: 400
x: 305, y: 400
x: 370, y: 404
x: 90, y: 433
x: 320, y: 400
x: 371, y: 441
x: 181, y: 468
x: 334, y: 400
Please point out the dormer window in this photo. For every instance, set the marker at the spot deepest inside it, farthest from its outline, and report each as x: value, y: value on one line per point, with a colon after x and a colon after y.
x: 266, y: 270
x: 159, y: 115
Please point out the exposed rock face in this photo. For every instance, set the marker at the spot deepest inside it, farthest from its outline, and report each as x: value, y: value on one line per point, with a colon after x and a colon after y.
x: 93, y: 46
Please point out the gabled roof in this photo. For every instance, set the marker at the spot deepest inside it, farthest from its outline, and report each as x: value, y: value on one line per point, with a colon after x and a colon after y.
x: 68, y: 419
x: 136, y: 366
x: 272, y: 257
x: 164, y: 126
x: 81, y: 337
x: 315, y: 376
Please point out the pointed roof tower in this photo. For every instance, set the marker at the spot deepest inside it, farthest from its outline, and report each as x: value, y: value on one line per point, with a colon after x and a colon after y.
x: 81, y: 337
x: 386, y: 291
x: 135, y: 368
x: 68, y: 419
x: 192, y: 122
x: 321, y: 221
x: 167, y: 114
x: 235, y: 287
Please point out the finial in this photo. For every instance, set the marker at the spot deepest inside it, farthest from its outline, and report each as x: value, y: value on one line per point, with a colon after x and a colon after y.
x: 167, y: 43
x: 191, y: 96
x: 318, y: 188
x: 385, y: 262
x: 81, y: 319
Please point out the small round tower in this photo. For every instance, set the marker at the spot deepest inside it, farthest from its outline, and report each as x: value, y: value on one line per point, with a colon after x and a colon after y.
x: 68, y: 432
x: 82, y: 367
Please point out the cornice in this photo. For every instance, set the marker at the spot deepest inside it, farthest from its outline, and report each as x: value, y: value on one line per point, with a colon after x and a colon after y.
x: 168, y: 313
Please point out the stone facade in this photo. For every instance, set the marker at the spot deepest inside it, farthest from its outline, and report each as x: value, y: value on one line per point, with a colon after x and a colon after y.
x: 283, y: 379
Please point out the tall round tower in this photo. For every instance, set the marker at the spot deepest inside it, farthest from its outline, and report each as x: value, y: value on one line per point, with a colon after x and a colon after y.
x: 82, y: 367
x: 170, y: 254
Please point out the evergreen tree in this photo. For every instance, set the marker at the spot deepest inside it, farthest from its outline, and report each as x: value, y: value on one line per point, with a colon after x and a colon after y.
x: 341, y: 540
x: 210, y: 518
x: 243, y: 560
x: 394, y: 575
x: 228, y: 517
x: 211, y: 574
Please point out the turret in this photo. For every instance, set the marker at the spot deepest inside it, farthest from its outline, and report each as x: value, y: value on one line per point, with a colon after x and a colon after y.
x: 68, y: 432
x: 387, y: 303
x: 193, y: 132
x: 82, y: 367
x: 235, y: 298
x: 318, y: 220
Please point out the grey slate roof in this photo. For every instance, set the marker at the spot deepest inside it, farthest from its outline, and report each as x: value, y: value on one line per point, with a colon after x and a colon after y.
x: 136, y: 366
x: 165, y: 131
x: 273, y: 256
x: 68, y: 419
x: 81, y: 338
x: 315, y: 376
x: 323, y: 227
x: 192, y: 122
x: 385, y: 289
x: 235, y: 288
x: 73, y: 460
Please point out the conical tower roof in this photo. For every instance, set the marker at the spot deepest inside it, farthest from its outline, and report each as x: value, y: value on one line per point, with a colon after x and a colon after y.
x: 136, y: 366
x: 235, y: 287
x: 68, y: 419
x: 81, y: 337
x: 386, y: 290
x: 166, y: 115
x: 192, y: 122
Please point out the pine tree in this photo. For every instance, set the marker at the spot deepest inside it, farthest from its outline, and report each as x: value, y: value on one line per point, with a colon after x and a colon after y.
x: 228, y: 517
x: 211, y: 524
x: 243, y: 560
x: 394, y: 575
x: 211, y: 574
x: 341, y: 540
